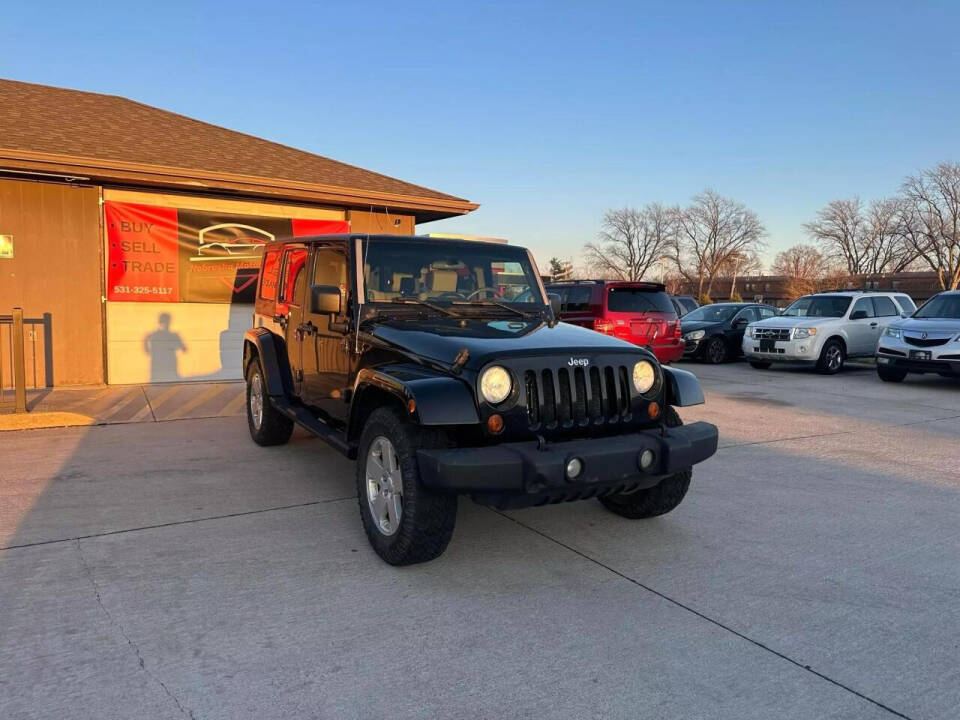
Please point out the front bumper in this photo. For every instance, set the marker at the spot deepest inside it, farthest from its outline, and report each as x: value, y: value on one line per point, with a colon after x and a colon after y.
x: 901, y: 356
x: 795, y: 351
x: 521, y: 474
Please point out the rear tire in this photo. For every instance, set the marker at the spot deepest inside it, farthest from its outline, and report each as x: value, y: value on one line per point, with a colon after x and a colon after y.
x: 760, y: 364
x: 658, y: 500
x: 716, y: 351
x: 405, y: 522
x: 268, y: 426
x: 832, y: 357
x: 890, y: 374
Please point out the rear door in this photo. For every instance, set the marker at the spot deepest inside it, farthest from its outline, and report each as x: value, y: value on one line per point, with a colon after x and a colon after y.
x: 293, y: 286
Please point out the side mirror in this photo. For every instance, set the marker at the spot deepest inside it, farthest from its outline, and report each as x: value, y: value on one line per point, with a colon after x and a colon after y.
x: 740, y: 322
x: 554, y: 304
x: 859, y: 315
x: 325, y: 300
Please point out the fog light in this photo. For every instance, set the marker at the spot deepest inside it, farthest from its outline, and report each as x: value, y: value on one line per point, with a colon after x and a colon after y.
x: 803, y: 348
x: 495, y: 424
x: 574, y: 467
x: 646, y: 459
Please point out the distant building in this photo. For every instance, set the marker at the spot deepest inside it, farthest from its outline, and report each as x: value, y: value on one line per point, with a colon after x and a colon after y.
x: 775, y: 289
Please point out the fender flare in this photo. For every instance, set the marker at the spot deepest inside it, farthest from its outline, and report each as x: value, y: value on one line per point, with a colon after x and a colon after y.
x: 439, y: 399
x: 260, y: 343
x: 683, y: 387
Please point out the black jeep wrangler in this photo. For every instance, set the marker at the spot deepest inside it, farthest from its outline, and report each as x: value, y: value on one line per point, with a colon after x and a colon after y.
x: 440, y: 366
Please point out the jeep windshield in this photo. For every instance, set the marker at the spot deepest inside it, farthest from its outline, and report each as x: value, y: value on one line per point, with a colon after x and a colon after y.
x: 834, y: 306
x: 454, y: 275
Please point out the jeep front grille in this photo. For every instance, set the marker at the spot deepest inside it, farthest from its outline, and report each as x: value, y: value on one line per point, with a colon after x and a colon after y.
x: 763, y: 333
x: 578, y: 396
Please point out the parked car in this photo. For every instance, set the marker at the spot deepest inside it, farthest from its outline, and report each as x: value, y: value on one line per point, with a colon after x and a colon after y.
x: 927, y: 341
x: 715, y: 332
x: 824, y: 329
x: 639, y: 312
x: 411, y: 361
x: 684, y: 304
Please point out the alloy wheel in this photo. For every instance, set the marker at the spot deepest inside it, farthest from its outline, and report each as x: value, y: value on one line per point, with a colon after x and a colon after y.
x: 384, y: 485
x: 256, y: 400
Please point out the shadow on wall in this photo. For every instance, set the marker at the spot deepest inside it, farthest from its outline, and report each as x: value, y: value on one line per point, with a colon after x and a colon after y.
x: 165, y: 348
x: 162, y: 345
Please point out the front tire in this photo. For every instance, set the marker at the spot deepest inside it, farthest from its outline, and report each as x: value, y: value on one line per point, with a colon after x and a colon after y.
x: 716, y: 352
x: 890, y: 374
x: 658, y: 500
x: 268, y: 426
x: 405, y: 522
x: 831, y: 358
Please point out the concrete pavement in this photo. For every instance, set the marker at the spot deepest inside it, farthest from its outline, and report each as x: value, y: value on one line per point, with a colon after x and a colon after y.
x: 177, y: 570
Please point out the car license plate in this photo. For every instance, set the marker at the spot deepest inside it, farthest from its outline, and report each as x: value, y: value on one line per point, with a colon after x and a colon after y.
x: 768, y: 346
x: 920, y: 355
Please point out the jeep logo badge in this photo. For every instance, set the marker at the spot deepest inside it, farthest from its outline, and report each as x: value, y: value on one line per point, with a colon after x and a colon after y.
x: 578, y: 362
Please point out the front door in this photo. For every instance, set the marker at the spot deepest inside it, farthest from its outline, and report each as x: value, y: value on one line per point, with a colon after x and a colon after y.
x: 326, y: 362
x: 863, y: 328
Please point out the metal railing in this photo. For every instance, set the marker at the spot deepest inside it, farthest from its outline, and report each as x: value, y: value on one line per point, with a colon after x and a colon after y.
x: 13, y: 365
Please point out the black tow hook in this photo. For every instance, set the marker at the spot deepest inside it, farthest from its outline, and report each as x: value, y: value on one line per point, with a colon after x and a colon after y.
x: 542, y: 444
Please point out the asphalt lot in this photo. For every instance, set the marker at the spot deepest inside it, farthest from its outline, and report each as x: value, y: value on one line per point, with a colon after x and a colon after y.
x: 174, y: 569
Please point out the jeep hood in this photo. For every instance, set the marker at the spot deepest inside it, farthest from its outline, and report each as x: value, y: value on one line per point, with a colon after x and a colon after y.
x: 442, y: 339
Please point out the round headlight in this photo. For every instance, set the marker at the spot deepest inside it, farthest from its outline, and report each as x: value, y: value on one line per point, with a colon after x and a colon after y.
x: 644, y: 376
x: 495, y: 384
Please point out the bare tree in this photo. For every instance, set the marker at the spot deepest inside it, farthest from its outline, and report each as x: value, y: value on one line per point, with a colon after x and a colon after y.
x: 930, y: 220
x: 866, y: 240
x: 712, y: 231
x: 804, y: 266
x: 631, y: 242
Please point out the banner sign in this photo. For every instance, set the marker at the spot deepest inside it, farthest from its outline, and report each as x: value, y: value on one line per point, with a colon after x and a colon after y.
x: 162, y: 254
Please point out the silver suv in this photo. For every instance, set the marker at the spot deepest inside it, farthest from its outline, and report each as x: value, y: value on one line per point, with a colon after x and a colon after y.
x: 927, y: 341
x: 824, y: 329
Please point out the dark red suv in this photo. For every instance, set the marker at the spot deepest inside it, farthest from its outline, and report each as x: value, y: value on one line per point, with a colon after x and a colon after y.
x: 638, y: 312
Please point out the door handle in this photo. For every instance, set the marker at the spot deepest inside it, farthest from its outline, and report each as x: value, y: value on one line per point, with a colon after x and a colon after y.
x: 873, y: 324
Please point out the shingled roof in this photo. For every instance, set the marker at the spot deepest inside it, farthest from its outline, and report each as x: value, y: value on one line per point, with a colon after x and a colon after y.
x: 113, y: 139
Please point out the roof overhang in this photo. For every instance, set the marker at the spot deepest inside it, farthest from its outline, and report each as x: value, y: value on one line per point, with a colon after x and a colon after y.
x: 423, y: 208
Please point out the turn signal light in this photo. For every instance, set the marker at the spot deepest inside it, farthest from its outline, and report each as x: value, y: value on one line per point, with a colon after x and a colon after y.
x: 411, y: 406
x: 495, y: 424
x: 653, y: 410
x: 603, y: 326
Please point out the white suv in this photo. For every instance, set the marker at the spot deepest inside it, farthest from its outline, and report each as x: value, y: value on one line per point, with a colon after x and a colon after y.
x: 825, y: 329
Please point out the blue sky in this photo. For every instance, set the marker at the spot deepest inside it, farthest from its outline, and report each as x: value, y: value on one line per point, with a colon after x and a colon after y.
x: 545, y: 113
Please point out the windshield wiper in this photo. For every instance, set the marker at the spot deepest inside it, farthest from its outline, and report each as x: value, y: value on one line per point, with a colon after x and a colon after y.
x: 491, y: 303
x: 424, y: 303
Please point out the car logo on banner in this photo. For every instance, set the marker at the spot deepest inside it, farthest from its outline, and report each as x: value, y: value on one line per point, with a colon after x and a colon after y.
x: 923, y: 336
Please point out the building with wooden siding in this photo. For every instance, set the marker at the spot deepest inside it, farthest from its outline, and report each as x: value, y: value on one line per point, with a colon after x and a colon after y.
x: 130, y: 235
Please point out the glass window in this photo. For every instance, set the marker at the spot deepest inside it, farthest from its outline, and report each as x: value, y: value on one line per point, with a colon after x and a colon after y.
x: 637, y: 300
x: 444, y: 271
x: 329, y: 267
x: 710, y: 313
x: 863, y: 305
x: 270, y: 275
x: 818, y: 306
x: 766, y: 312
x: 906, y: 303
x: 576, y: 299
x: 749, y: 314
x: 689, y: 303
x: 293, y: 261
x: 884, y: 307
x: 940, y: 306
